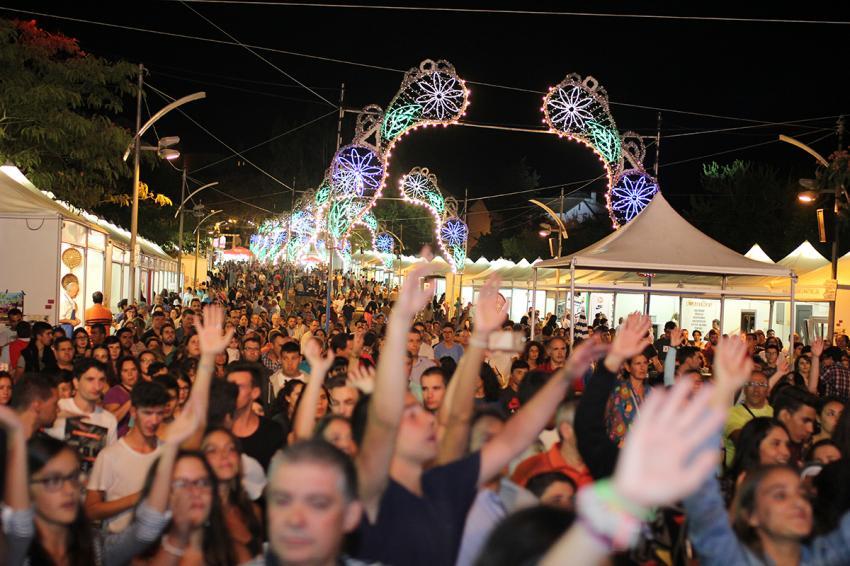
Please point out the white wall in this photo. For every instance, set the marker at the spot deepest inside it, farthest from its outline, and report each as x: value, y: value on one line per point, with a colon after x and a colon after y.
x: 29, y: 261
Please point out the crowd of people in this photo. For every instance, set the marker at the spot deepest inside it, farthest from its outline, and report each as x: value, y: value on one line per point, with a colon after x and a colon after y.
x: 250, y: 422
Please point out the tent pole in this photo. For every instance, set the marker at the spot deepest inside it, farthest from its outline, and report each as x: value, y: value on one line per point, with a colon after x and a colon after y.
x: 646, y: 296
x: 792, y: 318
x: 722, y: 303
x: 680, y: 313
x: 533, y: 301
x: 613, y: 311
x: 572, y: 303
x: 557, y: 289
x: 770, y: 317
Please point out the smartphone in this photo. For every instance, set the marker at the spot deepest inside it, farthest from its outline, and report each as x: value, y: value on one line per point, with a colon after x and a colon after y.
x: 505, y: 341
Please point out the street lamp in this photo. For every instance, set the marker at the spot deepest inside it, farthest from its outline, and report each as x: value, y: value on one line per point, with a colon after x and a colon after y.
x: 180, y: 210
x: 162, y: 149
x: 546, y: 229
x: 809, y: 196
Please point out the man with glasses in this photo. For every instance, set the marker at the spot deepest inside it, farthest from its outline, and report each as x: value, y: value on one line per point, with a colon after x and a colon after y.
x: 754, y: 405
x: 448, y: 347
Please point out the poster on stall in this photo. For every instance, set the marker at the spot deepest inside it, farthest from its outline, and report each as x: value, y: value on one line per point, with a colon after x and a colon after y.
x: 697, y: 314
x: 8, y: 301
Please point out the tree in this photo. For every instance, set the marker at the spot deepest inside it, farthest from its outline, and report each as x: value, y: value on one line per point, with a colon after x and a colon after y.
x: 56, y: 109
x: 743, y: 203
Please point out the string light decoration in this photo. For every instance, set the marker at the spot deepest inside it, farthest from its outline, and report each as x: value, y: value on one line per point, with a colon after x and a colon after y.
x: 385, y: 245
x: 454, y: 234
x: 632, y: 192
x: 577, y: 108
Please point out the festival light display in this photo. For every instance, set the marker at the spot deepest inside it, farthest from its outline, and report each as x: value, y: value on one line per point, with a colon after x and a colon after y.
x: 577, y: 108
x: 384, y: 245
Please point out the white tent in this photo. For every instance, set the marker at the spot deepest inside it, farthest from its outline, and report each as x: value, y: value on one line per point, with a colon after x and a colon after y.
x: 758, y: 254
x: 660, y: 241
x: 804, y: 259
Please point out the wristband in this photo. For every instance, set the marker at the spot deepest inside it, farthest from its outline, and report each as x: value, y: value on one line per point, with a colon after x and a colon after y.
x: 171, y: 549
x: 477, y: 343
x: 612, y: 520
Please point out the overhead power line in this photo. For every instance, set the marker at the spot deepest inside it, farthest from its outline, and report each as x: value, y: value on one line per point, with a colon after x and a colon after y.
x: 494, y: 11
x: 351, y: 63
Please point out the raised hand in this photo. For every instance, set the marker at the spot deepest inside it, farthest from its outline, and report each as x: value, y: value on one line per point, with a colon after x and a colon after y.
x: 319, y: 364
x: 782, y: 366
x: 818, y: 347
x: 676, y: 337
x: 183, y: 426
x: 491, y: 309
x: 362, y: 378
x: 10, y: 421
x: 732, y: 366
x: 668, y: 453
x: 413, y: 295
x: 583, y: 355
x: 629, y: 341
x: 212, y: 340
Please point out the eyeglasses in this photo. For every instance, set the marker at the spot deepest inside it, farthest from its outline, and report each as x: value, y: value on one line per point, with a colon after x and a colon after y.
x: 55, y: 482
x: 200, y: 483
x: 757, y: 384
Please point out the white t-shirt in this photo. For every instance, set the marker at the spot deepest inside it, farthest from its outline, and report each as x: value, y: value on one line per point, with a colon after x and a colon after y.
x: 278, y: 380
x: 120, y: 471
x: 426, y: 351
x: 99, y: 417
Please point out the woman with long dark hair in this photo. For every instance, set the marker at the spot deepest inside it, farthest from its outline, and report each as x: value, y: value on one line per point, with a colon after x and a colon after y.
x: 242, y: 516
x: 82, y: 344
x: 534, y: 354
x: 47, y: 525
x: 197, y: 532
x: 117, y: 399
x: 763, y: 442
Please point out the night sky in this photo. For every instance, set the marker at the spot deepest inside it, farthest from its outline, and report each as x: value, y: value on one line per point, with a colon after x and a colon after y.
x: 756, y: 72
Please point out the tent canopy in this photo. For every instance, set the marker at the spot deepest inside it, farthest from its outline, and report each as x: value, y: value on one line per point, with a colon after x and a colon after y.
x: 659, y: 240
x: 804, y: 259
x: 758, y: 254
x: 18, y: 196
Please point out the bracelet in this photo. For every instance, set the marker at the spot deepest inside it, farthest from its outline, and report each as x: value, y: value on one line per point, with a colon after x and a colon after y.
x: 170, y: 548
x: 611, y: 519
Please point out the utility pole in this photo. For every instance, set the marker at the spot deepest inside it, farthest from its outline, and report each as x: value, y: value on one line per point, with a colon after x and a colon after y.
x: 835, y: 226
x: 657, y: 146
x: 134, y: 215
x: 459, y: 303
x: 180, y: 231
x: 331, y: 247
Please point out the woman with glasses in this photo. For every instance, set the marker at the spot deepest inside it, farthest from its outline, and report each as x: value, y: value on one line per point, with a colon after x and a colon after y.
x: 47, y: 524
x: 82, y: 345
x: 197, y: 533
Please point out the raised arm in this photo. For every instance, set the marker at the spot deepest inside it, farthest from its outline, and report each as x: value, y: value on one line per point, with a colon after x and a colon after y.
x: 387, y: 403
x: 814, y: 372
x: 781, y: 371
x: 521, y: 430
x: 668, y: 453
x: 670, y: 360
x: 305, y: 416
x: 456, y: 413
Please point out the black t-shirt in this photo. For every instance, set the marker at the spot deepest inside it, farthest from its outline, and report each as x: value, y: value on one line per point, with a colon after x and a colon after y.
x: 650, y: 352
x: 348, y: 312
x: 412, y: 530
x: 662, y: 345
x: 265, y: 441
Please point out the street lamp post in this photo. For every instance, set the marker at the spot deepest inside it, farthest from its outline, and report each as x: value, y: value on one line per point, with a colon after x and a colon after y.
x: 811, y: 195
x: 562, y: 234
x: 137, y: 148
x: 181, y: 210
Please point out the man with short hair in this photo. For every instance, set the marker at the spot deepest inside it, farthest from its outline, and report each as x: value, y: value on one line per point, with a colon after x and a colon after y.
x: 835, y: 379
x: 754, y: 405
x: 63, y: 353
x: 158, y: 319
x: 343, y: 397
x: 509, y: 398
x: 38, y: 354
x: 119, y: 471
x: 314, y: 326
x: 420, y: 363
x: 97, y: 334
x: 35, y: 398
x: 434, y: 384
x: 448, y: 347
x: 273, y: 359
x: 290, y: 356
x: 796, y: 408
x: 97, y: 313
x: 556, y: 350
x: 85, y: 408
x: 301, y: 531
x: 8, y: 333
x: 260, y: 437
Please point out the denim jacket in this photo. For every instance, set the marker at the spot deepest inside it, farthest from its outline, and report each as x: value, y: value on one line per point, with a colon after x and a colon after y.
x: 717, y: 544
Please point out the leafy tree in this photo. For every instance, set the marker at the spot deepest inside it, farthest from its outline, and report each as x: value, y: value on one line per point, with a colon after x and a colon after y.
x: 744, y: 202
x: 56, y: 109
